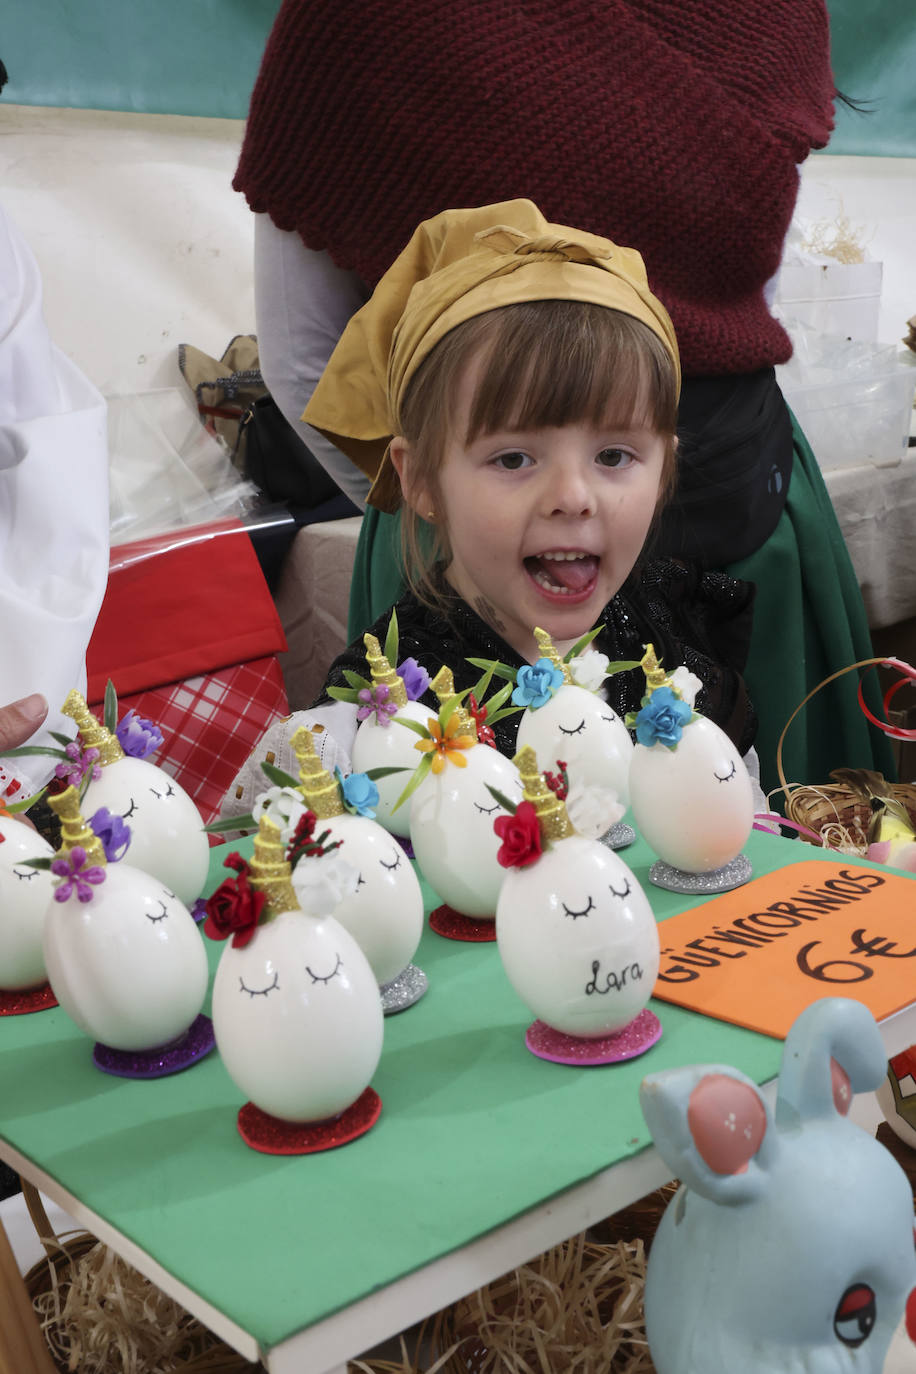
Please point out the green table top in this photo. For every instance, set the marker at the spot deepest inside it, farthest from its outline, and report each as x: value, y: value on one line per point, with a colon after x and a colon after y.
x: 474, y: 1131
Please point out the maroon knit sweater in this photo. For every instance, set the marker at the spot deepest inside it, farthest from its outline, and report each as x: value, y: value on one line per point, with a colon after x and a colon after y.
x: 673, y: 126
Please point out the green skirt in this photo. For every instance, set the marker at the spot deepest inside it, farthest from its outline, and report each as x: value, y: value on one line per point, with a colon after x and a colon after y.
x: 809, y: 621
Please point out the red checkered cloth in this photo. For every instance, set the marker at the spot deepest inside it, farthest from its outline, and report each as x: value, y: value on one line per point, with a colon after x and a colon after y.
x: 188, y: 633
x: 211, y: 724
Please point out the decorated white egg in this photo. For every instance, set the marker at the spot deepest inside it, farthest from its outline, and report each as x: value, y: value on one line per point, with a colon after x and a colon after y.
x: 298, y: 1017
x: 451, y: 829
x: 384, y: 744
x: 166, y: 832
x: 385, y: 913
x: 578, y: 939
x: 167, y: 836
x: 693, y: 803
x: 128, y: 965
x: 381, y: 743
x: 24, y: 896
x: 577, y: 726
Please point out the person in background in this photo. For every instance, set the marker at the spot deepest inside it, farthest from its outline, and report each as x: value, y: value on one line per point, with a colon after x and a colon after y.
x: 674, y: 129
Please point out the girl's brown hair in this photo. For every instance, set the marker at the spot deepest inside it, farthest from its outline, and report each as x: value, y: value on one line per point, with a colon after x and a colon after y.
x: 545, y: 364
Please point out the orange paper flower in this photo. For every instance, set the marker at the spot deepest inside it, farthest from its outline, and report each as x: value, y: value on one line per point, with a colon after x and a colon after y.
x: 445, y: 745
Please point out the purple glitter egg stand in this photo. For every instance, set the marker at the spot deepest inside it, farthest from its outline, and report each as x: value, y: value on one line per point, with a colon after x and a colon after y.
x: 197, y: 1041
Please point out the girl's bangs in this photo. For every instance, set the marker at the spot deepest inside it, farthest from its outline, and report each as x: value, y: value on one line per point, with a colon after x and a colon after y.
x: 554, y: 363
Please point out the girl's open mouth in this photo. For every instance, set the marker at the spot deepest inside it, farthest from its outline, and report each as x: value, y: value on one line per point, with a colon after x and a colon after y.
x: 567, y: 574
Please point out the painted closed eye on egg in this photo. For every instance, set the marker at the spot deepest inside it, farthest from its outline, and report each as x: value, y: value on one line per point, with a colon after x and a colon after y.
x: 729, y: 775
x: 26, y: 874
x: 160, y: 916
x: 486, y: 810
x: 624, y: 893
x: 325, y: 978
x: 567, y: 911
x: 390, y: 868
x: 577, y: 730
x: 125, y: 815
x: 160, y: 796
x: 259, y: 992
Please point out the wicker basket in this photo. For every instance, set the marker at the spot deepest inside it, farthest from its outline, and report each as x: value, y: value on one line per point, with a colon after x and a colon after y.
x: 838, y: 816
x: 101, y: 1316
x: 836, y: 813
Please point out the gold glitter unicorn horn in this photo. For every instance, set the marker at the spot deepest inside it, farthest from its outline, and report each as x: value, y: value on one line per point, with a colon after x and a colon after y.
x: 75, y: 831
x: 551, y: 812
x: 549, y: 650
x: 654, y: 672
x: 443, y: 684
x: 320, y: 790
x: 383, y: 673
x: 270, y: 870
x: 92, y: 733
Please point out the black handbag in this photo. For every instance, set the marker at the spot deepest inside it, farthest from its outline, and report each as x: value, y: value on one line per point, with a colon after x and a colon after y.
x: 278, y: 462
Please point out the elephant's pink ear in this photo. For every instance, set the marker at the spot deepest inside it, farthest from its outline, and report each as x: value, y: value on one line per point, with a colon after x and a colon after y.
x: 727, y: 1121
x: 842, y: 1088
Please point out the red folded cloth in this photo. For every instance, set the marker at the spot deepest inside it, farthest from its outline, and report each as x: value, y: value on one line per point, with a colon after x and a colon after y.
x: 179, y: 605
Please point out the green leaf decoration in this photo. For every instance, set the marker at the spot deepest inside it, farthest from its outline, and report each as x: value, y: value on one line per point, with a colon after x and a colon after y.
x: 349, y: 694
x: 373, y: 774
x: 582, y: 643
x: 623, y: 665
x: 419, y: 773
x: 355, y: 680
x: 413, y: 725
x: 42, y: 750
x: 278, y: 777
x: 14, y: 808
x: 450, y: 707
x: 501, y: 670
x: 222, y: 823
x: 494, y: 717
x: 43, y: 864
x: 499, y: 699
x: 391, y: 639
x: 61, y: 739
x: 502, y: 799
x: 111, y: 707
x: 481, y: 688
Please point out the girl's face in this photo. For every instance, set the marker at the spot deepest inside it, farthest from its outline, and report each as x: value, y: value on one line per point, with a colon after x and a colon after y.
x: 544, y: 525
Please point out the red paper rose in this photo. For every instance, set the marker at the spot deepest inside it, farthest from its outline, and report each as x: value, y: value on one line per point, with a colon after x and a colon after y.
x: 235, y: 907
x: 520, y: 835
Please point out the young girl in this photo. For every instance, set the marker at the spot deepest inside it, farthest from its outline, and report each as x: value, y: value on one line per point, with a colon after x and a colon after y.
x: 513, y: 384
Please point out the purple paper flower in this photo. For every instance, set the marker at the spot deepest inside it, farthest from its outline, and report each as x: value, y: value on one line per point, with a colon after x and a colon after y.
x: 80, y: 762
x: 662, y: 719
x: 75, y: 876
x: 138, y: 737
x: 414, y: 677
x: 112, y: 831
x: 375, y: 703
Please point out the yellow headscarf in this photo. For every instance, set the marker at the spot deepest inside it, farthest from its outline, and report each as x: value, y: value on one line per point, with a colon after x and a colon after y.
x: 457, y: 265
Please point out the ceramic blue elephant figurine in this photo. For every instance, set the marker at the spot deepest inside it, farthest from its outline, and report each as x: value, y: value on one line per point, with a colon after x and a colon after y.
x: 789, y: 1248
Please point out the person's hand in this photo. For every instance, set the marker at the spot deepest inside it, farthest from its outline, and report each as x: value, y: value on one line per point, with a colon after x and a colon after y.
x: 20, y: 719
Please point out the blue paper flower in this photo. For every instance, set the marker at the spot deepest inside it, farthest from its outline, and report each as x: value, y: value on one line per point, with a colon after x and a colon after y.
x: 113, y: 831
x: 663, y: 719
x: 138, y: 737
x: 414, y: 677
x: 537, y: 683
x: 359, y: 793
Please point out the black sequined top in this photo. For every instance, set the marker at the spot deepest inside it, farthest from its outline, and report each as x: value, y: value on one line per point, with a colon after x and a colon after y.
x: 701, y: 620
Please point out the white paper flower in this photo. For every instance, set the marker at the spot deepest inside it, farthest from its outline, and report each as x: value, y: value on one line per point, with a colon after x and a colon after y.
x: 686, y: 684
x: 593, y: 810
x: 589, y: 669
x: 322, y: 883
x: 284, y: 806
